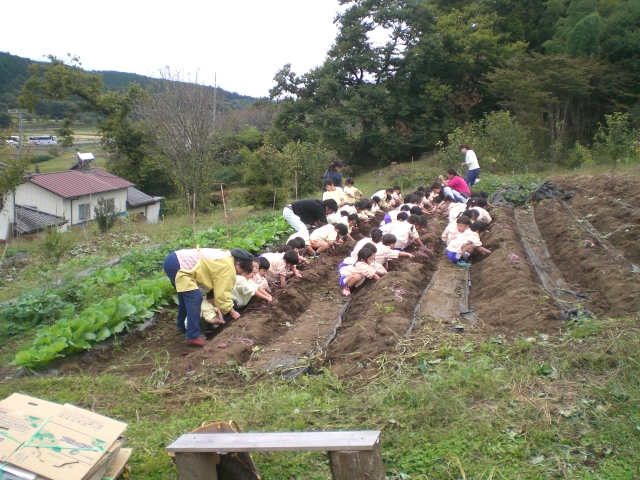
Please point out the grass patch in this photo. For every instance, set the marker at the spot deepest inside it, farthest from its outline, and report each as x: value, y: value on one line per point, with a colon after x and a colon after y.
x: 449, y: 406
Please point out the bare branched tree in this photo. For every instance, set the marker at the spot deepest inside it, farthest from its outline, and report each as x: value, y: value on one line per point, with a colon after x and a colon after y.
x: 181, y: 120
x: 258, y: 116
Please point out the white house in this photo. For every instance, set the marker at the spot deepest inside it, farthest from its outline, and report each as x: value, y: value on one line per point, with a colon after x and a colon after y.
x: 7, y: 213
x: 73, y: 194
x: 68, y: 198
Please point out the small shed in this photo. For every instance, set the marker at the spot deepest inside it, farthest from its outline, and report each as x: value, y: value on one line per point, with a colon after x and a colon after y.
x: 139, y: 203
x: 28, y: 220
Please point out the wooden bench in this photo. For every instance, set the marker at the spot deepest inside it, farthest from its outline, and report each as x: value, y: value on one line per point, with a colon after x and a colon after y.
x: 353, y: 455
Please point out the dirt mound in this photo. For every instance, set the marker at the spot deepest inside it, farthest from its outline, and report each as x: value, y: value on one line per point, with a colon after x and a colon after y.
x: 617, y: 186
x: 612, y: 286
x: 380, y: 312
x: 506, y: 294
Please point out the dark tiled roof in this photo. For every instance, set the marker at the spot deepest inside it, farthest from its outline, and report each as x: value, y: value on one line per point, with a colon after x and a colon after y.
x: 75, y: 183
x: 136, y: 198
x: 30, y: 220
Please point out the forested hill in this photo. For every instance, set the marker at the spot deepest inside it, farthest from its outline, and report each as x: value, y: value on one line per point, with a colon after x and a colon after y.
x: 13, y: 74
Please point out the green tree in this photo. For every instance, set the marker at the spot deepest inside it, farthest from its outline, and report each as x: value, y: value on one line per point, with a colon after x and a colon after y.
x: 584, y: 39
x: 184, y: 132
x: 620, y: 42
x: 558, y: 97
x: 12, y: 172
x: 121, y: 135
x: 616, y: 140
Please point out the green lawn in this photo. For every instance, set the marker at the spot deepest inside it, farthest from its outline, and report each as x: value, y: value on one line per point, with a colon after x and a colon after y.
x: 67, y: 159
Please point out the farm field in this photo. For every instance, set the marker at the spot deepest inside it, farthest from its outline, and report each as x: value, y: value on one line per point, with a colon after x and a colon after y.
x: 523, y: 366
x: 67, y: 159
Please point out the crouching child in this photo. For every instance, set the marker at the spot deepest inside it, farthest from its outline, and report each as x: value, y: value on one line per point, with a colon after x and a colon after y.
x: 464, y: 244
x: 281, y: 266
x: 352, y: 276
x: 326, y: 237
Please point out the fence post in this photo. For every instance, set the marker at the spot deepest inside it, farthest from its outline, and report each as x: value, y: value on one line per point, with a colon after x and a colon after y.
x: 357, y: 465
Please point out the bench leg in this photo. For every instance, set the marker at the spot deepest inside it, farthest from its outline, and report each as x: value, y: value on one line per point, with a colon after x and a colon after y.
x: 360, y: 465
x: 196, y: 466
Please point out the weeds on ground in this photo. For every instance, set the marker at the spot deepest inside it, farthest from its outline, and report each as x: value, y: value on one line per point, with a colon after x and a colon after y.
x: 448, y: 405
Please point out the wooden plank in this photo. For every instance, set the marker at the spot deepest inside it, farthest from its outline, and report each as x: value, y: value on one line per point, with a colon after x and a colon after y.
x: 357, y: 465
x: 196, y: 466
x: 276, y: 442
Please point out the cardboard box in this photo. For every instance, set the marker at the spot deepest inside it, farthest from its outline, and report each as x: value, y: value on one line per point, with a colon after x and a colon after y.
x: 99, y: 470
x: 59, y: 442
x: 119, y: 463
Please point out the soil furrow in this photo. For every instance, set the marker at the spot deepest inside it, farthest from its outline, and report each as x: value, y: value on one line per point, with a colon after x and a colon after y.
x: 380, y: 313
x: 614, y: 290
x: 539, y: 256
x: 507, y: 295
x: 611, y: 220
x: 600, y: 239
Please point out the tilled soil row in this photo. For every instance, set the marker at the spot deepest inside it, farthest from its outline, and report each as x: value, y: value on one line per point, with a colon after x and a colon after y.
x: 506, y: 293
x: 613, y: 288
x: 380, y: 312
x: 277, y: 336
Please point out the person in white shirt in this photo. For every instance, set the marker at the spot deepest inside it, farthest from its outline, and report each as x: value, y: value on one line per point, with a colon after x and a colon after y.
x: 471, y: 162
x: 333, y: 192
x: 325, y: 237
x: 352, y: 276
x: 351, y: 192
x: 463, y: 245
x: 455, y: 209
x: 480, y: 206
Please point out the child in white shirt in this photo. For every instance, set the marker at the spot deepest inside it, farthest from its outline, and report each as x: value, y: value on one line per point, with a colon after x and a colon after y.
x: 244, y: 289
x: 461, y: 246
x: 281, y: 266
x: 351, y: 193
x: 325, y: 237
x: 333, y: 192
x: 352, y: 276
x: 260, y: 267
x: 405, y: 228
x: 387, y: 252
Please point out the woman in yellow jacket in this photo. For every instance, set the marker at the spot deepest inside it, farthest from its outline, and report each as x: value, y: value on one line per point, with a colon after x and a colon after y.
x: 212, y: 268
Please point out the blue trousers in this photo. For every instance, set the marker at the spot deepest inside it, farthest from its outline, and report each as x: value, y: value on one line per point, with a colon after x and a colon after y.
x: 189, y: 303
x: 472, y: 176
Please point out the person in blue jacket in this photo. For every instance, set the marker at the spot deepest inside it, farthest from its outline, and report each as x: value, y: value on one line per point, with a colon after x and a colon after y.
x: 333, y: 172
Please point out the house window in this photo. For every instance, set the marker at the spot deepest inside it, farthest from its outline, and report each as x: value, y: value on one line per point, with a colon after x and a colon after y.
x: 84, y: 211
x: 110, y: 202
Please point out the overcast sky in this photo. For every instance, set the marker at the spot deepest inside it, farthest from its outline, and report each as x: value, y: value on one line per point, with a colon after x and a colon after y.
x: 244, y: 41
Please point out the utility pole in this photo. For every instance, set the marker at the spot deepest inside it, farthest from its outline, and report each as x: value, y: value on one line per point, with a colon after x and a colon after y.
x: 19, y: 113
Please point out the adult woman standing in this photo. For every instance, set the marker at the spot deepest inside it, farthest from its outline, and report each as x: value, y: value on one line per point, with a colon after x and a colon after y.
x: 471, y: 161
x: 307, y: 212
x: 455, y: 187
x: 333, y: 172
x: 212, y: 268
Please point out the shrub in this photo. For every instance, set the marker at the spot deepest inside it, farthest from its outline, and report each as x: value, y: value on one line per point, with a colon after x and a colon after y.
x: 268, y: 172
x: 105, y: 214
x: 56, y: 245
x: 54, y: 151
x: 579, y: 156
x: 40, y: 158
x: 616, y: 141
x: 500, y: 142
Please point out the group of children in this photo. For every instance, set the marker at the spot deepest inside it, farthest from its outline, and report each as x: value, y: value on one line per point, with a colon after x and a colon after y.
x: 404, y: 218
